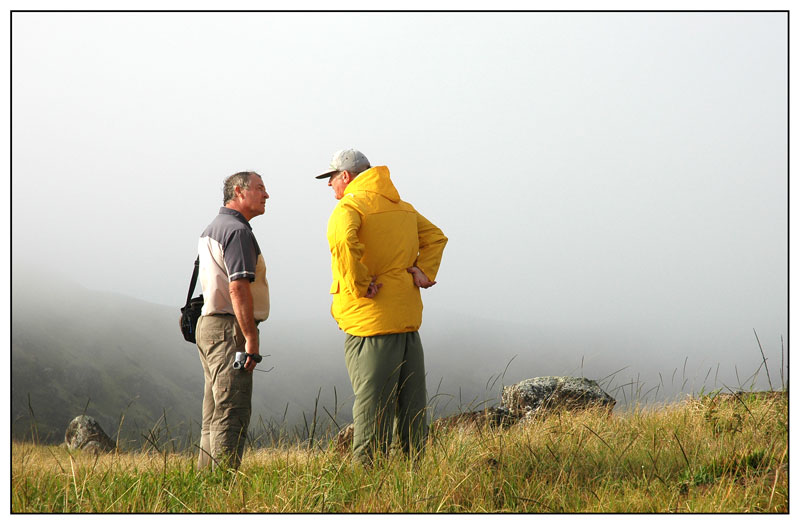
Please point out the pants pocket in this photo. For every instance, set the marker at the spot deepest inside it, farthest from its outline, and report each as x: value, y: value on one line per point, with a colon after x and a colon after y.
x: 233, y: 399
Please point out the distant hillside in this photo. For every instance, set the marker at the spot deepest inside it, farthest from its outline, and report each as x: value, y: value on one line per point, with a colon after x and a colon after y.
x: 106, y: 354
x: 113, y: 357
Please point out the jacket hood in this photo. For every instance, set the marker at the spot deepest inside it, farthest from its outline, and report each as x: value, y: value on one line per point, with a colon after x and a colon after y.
x: 375, y: 180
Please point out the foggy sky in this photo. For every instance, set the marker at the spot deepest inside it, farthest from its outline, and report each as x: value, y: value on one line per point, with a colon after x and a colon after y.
x: 596, y: 173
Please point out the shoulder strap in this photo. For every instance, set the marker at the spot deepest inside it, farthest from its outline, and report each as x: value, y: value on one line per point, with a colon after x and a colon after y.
x: 194, y: 280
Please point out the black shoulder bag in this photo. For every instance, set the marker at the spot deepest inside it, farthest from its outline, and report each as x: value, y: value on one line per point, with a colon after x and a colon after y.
x: 191, y: 312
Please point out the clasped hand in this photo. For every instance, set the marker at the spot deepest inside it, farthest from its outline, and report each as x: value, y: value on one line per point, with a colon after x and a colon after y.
x: 420, y: 279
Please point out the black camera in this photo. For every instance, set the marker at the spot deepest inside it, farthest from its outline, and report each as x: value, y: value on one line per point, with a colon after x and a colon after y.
x: 241, y: 359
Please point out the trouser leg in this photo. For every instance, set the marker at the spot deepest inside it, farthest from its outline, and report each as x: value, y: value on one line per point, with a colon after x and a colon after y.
x: 232, y: 397
x: 204, y: 456
x: 226, y: 416
x: 412, y: 424
x: 373, y: 364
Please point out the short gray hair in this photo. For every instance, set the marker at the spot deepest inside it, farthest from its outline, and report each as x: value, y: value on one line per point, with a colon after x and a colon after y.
x: 241, y: 179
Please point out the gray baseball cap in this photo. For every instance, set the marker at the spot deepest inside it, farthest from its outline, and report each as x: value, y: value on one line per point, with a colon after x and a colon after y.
x: 350, y: 160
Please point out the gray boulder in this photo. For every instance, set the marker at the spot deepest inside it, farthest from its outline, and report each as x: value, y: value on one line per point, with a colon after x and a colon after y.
x: 85, y: 433
x: 535, y: 396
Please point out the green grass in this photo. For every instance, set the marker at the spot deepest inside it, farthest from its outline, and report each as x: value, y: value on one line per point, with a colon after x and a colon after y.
x: 719, y: 454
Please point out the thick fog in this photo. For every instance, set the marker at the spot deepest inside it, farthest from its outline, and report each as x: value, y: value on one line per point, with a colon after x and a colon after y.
x: 614, y: 185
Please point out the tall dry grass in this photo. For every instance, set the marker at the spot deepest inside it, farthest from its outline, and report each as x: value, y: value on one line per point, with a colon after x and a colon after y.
x: 717, y: 453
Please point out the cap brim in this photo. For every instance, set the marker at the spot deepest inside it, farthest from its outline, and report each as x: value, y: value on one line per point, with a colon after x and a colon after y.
x: 326, y: 175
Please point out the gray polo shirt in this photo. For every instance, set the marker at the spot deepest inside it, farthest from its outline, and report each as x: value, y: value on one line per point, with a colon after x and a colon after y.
x: 229, y: 251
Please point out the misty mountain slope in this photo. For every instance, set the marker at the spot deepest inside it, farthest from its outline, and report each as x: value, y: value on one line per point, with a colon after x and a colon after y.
x: 127, y: 357
x: 124, y: 356
x: 119, y: 355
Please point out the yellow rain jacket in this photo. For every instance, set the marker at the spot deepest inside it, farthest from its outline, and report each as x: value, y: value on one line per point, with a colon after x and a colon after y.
x: 374, y: 234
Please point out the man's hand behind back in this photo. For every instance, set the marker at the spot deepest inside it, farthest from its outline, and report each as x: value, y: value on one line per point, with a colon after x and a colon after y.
x: 420, y: 279
x: 372, y: 289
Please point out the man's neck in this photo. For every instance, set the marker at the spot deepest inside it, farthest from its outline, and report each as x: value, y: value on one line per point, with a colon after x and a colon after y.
x: 234, y: 207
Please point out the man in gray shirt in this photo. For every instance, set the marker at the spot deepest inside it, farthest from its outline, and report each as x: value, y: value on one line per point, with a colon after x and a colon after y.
x: 236, y: 298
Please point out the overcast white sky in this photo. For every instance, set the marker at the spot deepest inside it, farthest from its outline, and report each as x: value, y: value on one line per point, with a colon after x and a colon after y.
x: 586, y: 166
x: 596, y: 173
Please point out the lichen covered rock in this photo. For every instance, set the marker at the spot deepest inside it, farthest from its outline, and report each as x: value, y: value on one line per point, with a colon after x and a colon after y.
x: 539, y: 394
x: 85, y: 433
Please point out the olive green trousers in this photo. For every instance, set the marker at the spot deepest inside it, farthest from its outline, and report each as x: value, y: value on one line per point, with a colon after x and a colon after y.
x: 388, y: 377
x: 228, y: 392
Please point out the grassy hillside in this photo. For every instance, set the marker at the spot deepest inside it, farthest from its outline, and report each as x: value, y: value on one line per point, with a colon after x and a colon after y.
x: 711, y: 454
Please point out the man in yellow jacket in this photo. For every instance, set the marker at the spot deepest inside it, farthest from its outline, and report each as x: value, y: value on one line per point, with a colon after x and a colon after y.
x: 382, y: 252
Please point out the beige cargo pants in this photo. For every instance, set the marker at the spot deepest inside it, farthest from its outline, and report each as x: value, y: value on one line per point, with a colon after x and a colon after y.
x: 228, y: 392
x: 388, y: 377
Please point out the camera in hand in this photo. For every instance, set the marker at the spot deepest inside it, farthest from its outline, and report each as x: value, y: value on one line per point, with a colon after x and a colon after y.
x: 241, y: 359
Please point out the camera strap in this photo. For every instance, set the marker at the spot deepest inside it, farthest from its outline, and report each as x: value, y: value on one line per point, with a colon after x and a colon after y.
x: 194, y: 280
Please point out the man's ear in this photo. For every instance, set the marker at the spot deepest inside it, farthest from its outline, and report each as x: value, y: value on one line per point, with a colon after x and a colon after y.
x: 347, y: 177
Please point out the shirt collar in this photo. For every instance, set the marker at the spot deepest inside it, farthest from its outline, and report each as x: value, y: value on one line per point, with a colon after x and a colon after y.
x: 235, y: 214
